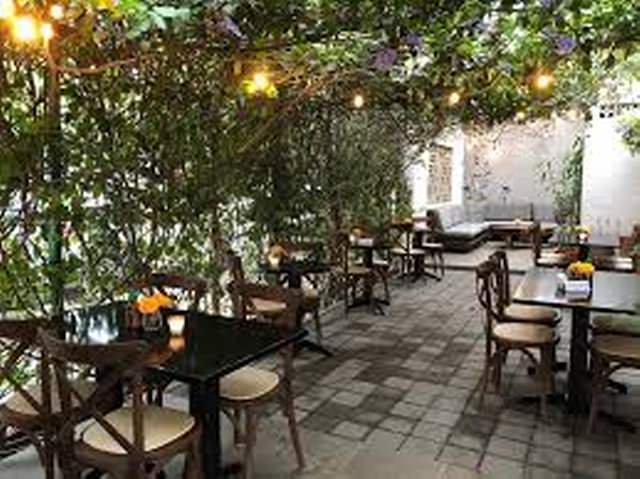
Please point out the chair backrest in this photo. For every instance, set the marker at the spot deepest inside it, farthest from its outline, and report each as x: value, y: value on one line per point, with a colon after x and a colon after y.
x: 536, y: 241
x: 341, y: 250
x: 18, y: 346
x: 488, y: 291
x: 502, y: 262
x: 121, y: 361
x: 246, y: 292
x: 182, y: 288
x: 434, y: 222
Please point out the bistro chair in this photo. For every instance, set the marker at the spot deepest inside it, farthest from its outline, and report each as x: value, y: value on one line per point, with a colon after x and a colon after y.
x: 311, y: 301
x: 610, y: 353
x: 130, y: 442
x: 245, y: 391
x: 502, y: 337
x: 412, y: 257
x: 187, y: 291
x: 347, y: 274
x: 28, y: 409
x: 519, y: 313
x: 428, y: 241
x: 546, y: 258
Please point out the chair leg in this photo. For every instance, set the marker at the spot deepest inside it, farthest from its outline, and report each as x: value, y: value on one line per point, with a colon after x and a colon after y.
x: 484, y: 380
x: 497, y: 369
x: 193, y: 464
x: 251, y: 431
x: 596, y: 389
x: 293, y: 427
x: 318, y: 325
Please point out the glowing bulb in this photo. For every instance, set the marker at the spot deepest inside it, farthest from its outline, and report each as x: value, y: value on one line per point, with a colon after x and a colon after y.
x: 543, y: 81
x: 56, y: 11
x: 260, y: 81
x: 24, y: 29
x: 521, y: 116
x: 358, y: 101
x: 46, y: 30
x: 7, y: 8
x: 454, y: 98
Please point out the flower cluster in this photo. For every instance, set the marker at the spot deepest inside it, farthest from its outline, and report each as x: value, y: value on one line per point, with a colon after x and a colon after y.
x: 581, y: 269
x: 151, y: 304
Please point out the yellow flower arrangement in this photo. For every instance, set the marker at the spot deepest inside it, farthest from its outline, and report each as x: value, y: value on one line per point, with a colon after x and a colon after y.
x: 151, y: 304
x: 581, y: 269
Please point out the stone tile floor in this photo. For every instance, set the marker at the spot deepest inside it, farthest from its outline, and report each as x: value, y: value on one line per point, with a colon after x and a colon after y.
x: 397, y: 401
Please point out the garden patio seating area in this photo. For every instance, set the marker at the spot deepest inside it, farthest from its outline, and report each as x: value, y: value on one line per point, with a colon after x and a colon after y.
x: 319, y: 239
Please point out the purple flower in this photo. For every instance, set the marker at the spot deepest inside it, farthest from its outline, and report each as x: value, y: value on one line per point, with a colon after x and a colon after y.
x: 385, y: 58
x: 229, y: 27
x: 547, y: 3
x: 414, y: 40
x: 565, y: 45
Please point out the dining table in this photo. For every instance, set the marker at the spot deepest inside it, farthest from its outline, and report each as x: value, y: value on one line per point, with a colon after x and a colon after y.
x: 611, y: 293
x: 210, y: 347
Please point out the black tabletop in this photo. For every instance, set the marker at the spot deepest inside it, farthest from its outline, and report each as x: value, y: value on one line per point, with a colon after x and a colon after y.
x: 612, y: 292
x: 210, y: 347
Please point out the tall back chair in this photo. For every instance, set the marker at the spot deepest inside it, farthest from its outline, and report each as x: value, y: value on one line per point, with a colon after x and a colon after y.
x: 27, y: 408
x: 128, y: 442
x: 188, y: 289
x: 244, y: 391
x: 501, y: 336
x: 346, y: 273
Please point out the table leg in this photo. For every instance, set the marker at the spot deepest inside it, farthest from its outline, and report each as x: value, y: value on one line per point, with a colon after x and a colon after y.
x: 579, y: 390
x: 204, y: 406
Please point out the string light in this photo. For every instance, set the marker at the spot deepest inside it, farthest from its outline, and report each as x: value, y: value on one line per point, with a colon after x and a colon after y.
x: 260, y: 81
x: 454, y: 98
x: 46, y: 30
x: 7, y: 8
x: 56, y: 11
x: 521, y: 116
x: 543, y: 81
x: 358, y: 101
x: 24, y: 29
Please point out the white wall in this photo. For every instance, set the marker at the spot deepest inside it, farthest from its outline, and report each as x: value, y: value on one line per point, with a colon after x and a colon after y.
x: 611, y: 178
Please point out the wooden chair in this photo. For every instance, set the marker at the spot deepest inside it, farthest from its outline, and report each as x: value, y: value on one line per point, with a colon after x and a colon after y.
x: 129, y: 442
x: 347, y: 274
x: 502, y: 337
x: 245, y: 391
x: 430, y: 244
x: 311, y: 291
x: 28, y: 409
x: 544, y: 258
x: 186, y: 289
x: 412, y: 258
x: 610, y: 353
x: 519, y: 313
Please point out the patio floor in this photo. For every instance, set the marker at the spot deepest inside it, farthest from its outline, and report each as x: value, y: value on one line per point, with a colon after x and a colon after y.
x: 397, y: 400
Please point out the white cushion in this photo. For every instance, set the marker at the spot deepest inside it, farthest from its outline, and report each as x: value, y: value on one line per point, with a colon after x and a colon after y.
x: 248, y: 383
x: 161, y: 427
x: 523, y: 312
x: 17, y: 402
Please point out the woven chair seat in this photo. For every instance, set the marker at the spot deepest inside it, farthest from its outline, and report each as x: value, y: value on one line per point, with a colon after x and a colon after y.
x: 523, y: 334
x: 617, y: 348
x: 247, y: 384
x: 268, y: 308
x: 354, y: 270
x: 526, y: 313
x: 162, y: 426
x: 405, y: 252
x: 617, y: 324
x: 18, y: 404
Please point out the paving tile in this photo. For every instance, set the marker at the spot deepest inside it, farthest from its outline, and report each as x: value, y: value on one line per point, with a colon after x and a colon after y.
x: 348, y: 398
x: 514, y: 432
x: 591, y: 468
x: 408, y: 410
x: 544, y: 437
x: 440, y: 416
x: 550, y: 458
x: 507, y: 448
x: 399, y: 383
x: 467, y: 441
x: 351, y: 430
x: 499, y: 467
x: 397, y: 424
x: 539, y: 472
x: 385, y: 441
x: 423, y: 447
x: 460, y: 456
x: 628, y: 471
x: 432, y: 431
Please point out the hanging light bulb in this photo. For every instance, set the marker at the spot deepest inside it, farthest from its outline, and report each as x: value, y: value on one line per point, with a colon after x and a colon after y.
x: 454, y: 98
x: 56, y: 11
x: 521, y: 116
x: 24, y: 28
x: 7, y: 8
x: 358, y: 100
x: 47, y: 32
x: 260, y: 81
x: 543, y: 81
